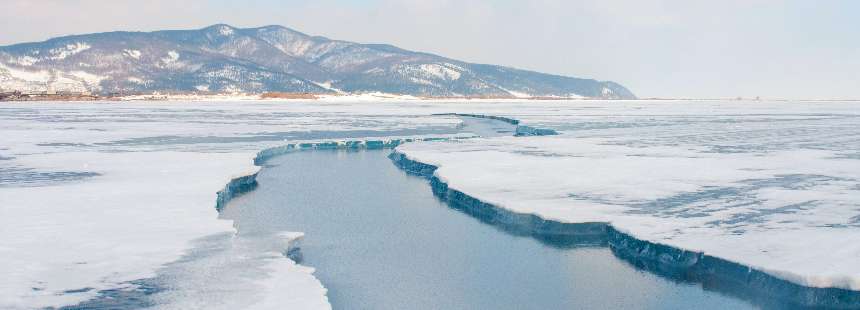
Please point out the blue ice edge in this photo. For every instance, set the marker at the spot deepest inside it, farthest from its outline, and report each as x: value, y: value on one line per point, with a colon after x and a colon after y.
x: 243, y: 184
x: 135, y: 299
x: 712, y: 273
x: 521, y: 130
x: 246, y: 183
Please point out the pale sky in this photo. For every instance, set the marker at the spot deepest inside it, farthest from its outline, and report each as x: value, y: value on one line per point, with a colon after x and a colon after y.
x: 728, y: 48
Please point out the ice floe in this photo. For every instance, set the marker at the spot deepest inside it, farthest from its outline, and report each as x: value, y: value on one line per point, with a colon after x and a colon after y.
x: 773, y: 186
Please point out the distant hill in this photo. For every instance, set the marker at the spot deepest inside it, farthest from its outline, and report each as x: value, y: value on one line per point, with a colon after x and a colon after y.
x: 222, y: 58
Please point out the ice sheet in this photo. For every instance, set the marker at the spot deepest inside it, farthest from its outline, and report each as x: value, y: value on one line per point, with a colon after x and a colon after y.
x: 774, y: 186
x: 97, y: 197
x: 117, y: 227
x: 137, y: 192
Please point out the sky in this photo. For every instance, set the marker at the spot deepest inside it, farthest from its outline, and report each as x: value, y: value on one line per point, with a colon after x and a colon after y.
x: 673, y: 49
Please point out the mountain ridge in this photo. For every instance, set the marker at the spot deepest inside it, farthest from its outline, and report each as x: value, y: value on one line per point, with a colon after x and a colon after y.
x: 272, y: 58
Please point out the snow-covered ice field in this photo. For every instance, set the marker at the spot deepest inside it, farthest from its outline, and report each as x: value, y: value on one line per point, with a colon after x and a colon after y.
x: 95, y: 197
x: 773, y: 186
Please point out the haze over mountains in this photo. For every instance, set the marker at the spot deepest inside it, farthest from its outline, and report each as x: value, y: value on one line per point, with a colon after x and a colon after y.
x: 221, y: 58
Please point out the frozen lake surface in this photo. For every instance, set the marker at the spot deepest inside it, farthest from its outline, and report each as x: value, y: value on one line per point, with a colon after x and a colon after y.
x: 380, y: 239
x: 106, y: 202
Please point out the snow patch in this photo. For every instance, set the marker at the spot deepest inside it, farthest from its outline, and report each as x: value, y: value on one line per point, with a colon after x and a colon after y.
x: 25, y: 60
x: 441, y: 71
x: 328, y: 85
x: 68, y: 50
x: 41, y: 76
x: 132, y: 53
x: 91, y: 80
x: 172, y: 57
x: 422, y: 81
x: 136, y: 80
x: 171, y: 61
x: 231, y: 88
x: 515, y: 93
x: 44, y: 80
x: 225, y: 30
x: 606, y: 92
x: 296, y: 48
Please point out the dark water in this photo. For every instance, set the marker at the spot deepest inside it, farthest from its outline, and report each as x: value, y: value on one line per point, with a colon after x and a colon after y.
x: 379, y: 239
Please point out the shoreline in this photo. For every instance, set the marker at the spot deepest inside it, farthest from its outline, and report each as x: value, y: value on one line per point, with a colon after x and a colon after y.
x: 372, y: 96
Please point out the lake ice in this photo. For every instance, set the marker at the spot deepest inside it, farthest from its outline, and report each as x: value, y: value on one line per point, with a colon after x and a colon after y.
x: 96, y: 196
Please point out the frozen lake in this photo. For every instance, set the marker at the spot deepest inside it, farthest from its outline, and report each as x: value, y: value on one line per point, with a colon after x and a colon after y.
x: 380, y: 239
x: 113, y: 205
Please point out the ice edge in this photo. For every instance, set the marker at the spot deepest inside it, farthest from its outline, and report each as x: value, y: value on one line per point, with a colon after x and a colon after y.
x: 659, y: 258
x: 521, y: 130
x: 248, y: 182
x: 665, y: 260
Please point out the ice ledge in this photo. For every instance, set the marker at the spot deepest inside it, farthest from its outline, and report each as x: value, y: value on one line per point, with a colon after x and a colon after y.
x: 290, y: 245
x: 235, y: 187
x: 248, y: 181
x: 521, y: 130
x: 712, y: 272
x: 268, y: 153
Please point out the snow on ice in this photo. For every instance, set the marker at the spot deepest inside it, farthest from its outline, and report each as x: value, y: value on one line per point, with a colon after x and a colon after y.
x: 771, y: 186
x: 107, y: 194
x: 145, y: 194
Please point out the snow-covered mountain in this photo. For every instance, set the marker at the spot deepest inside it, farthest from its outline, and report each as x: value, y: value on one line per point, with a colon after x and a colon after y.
x: 222, y: 58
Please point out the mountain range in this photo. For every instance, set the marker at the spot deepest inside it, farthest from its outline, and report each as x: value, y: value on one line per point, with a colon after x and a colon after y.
x: 223, y: 59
